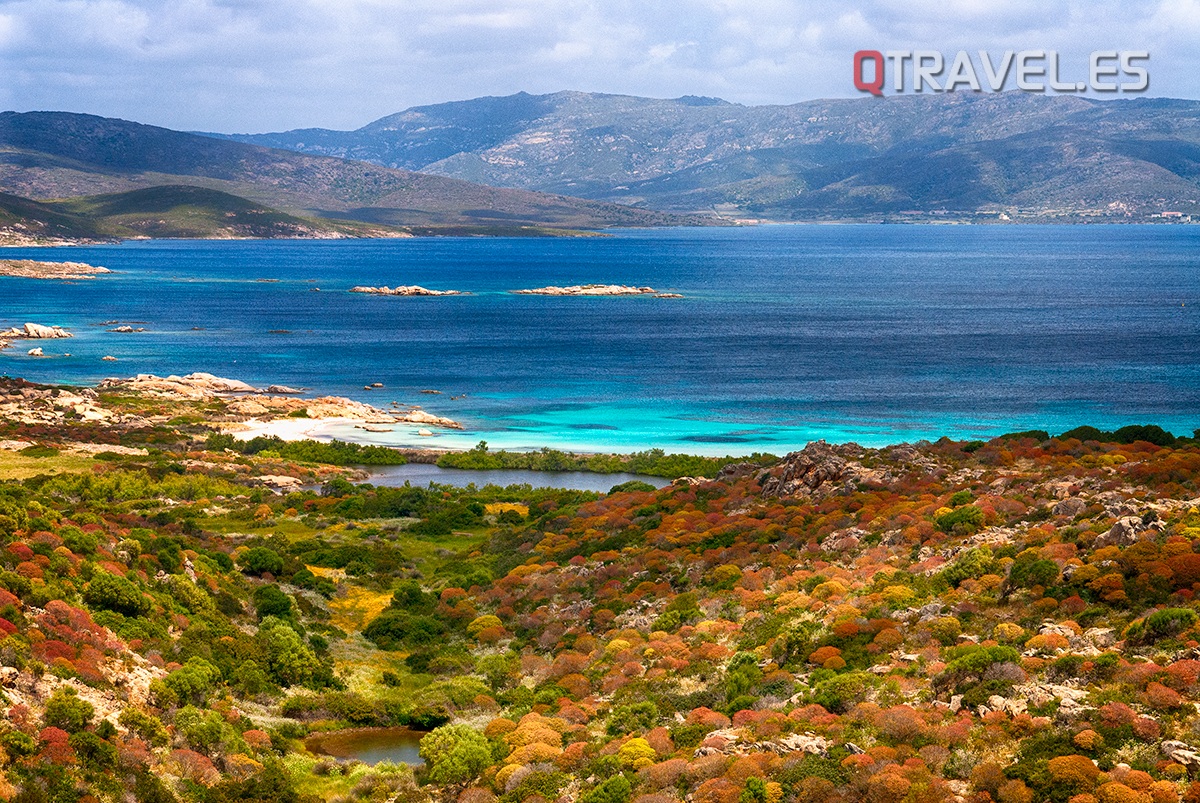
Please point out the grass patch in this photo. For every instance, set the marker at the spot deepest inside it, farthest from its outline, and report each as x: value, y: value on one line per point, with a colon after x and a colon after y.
x: 22, y: 465
x: 495, y: 508
x: 355, y: 606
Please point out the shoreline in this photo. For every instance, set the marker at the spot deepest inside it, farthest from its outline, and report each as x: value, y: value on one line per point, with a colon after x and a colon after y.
x: 418, y: 434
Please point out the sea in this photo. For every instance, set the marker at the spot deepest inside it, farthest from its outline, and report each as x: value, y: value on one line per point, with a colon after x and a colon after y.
x: 785, y: 333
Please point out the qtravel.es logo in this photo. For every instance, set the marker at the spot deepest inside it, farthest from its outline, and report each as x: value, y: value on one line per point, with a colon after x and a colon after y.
x: 1033, y: 70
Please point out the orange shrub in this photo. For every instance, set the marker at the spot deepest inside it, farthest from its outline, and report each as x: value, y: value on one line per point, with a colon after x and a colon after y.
x: 1113, y: 792
x: 1077, y: 771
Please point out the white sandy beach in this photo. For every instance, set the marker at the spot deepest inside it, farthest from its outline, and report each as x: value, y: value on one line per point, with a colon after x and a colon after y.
x: 327, y: 429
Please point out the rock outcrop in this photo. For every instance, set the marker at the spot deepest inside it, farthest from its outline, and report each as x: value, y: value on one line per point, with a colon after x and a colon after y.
x: 732, y: 742
x: 32, y: 269
x: 1181, y: 753
x: 35, y: 331
x: 589, y: 290
x: 25, y: 403
x: 251, y: 402
x: 193, y: 387
x: 733, y: 472
x: 1070, y: 507
x: 1128, y: 530
x: 818, y: 469
x: 409, y: 290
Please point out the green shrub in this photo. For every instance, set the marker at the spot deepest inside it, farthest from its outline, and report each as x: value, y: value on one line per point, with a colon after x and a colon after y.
x: 269, y: 600
x: 261, y: 560
x: 1161, y: 624
x: 394, y: 629
x: 455, y: 753
x: 632, y: 718
x: 965, y: 519
x: 114, y: 593
x: 841, y: 692
x: 971, y: 564
x: 65, y: 710
x: 616, y: 789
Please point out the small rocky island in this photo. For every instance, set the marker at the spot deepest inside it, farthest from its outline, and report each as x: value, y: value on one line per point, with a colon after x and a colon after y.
x: 32, y: 331
x: 410, y: 290
x: 32, y: 269
x: 596, y: 290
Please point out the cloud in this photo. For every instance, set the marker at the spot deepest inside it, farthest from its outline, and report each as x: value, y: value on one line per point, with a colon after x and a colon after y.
x: 254, y: 65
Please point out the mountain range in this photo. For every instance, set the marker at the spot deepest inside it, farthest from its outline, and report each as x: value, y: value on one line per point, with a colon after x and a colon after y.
x: 536, y: 164
x: 250, y: 190
x: 1014, y: 153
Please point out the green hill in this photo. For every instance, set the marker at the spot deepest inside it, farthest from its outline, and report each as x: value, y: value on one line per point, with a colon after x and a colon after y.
x: 197, y: 212
x: 23, y: 221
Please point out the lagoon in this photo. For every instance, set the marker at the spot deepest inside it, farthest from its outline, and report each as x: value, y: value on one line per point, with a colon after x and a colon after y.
x: 421, y: 474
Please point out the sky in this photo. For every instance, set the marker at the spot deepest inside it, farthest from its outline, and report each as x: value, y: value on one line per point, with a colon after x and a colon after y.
x: 270, y: 65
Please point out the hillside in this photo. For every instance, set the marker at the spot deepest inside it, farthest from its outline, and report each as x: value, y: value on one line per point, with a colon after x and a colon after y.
x: 868, y: 157
x: 183, y: 211
x: 1011, y: 621
x: 176, y: 211
x: 53, y: 155
x: 26, y: 222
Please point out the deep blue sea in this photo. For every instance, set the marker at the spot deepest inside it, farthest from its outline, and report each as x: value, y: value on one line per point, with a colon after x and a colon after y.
x: 870, y: 333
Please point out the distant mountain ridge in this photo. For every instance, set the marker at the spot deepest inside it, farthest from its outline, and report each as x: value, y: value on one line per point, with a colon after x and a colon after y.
x: 54, y: 155
x: 957, y: 152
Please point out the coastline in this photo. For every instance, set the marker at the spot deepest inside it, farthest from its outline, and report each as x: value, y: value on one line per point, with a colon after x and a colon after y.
x: 628, y: 376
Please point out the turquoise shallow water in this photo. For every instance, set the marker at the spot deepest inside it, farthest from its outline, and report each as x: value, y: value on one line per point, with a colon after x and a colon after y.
x: 786, y: 333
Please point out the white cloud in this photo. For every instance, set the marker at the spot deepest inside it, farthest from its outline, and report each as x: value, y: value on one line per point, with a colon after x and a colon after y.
x: 269, y: 64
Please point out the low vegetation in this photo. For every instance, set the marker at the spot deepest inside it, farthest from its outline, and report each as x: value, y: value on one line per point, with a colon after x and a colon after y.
x: 1010, y: 621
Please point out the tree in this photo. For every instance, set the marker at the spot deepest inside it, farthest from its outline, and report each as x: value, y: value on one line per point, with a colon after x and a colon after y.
x: 95, y: 753
x: 65, y: 710
x: 394, y: 628
x: 455, y: 753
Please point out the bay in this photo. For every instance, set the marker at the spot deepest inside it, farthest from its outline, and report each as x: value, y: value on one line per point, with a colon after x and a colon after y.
x: 785, y: 334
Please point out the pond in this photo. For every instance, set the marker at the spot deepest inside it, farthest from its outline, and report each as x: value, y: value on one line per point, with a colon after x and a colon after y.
x: 421, y: 474
x: 369, y: 745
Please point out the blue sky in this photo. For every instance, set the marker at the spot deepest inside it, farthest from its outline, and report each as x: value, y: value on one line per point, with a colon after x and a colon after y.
x: 263, y: 65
